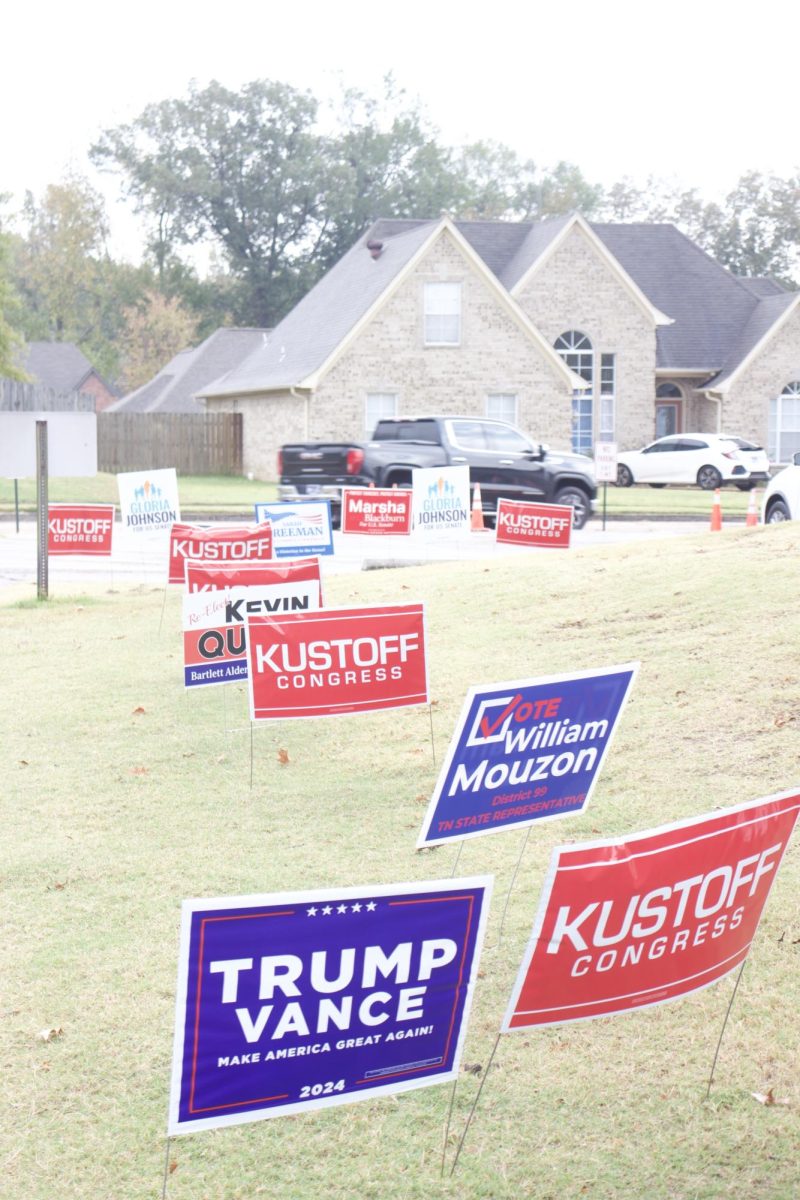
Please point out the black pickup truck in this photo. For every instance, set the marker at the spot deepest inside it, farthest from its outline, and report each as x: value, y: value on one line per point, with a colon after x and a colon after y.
x: 501, y: 459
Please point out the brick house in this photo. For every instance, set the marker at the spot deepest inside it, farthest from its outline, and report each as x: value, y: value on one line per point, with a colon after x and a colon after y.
x: 575, y: 332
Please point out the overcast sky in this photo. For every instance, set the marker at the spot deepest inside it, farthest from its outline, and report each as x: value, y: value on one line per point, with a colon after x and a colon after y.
x: 693, y: 92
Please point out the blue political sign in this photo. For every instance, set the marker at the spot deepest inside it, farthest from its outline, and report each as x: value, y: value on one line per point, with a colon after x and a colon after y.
x: 525, y: 751
x: 296, y: 1001
x: 299, y: 528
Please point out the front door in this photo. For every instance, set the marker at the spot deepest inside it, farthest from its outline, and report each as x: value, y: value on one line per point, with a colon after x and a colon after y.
x: 668, y: 418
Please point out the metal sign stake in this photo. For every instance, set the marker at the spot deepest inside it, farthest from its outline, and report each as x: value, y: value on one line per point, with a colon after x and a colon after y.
x: 41, y: 510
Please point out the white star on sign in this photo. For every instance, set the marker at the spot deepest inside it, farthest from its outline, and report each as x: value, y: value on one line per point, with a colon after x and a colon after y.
x: 371, y: 906
x: 342, y: 908
x: 327, y: 910
x: 356, y: 907
x: 311, y: 912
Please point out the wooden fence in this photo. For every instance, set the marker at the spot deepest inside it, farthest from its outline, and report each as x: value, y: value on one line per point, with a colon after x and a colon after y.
x: 16, y: 396
x: 193, y: 443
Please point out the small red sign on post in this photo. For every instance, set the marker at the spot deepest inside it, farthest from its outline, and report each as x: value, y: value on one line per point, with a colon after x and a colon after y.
x: 218, y: 544
x: 80, y: 529
x: 521, y: 523
x: 376, y: 510
x: 337, y: 661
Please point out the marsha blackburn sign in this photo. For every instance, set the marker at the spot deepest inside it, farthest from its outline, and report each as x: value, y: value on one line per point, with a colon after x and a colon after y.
x: 525, y: 751
x: 631, y: 922
x: 337, y: 661
x: 310, y: 999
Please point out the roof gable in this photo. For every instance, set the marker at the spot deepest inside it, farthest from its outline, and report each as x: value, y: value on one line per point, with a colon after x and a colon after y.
x: 765, y: 321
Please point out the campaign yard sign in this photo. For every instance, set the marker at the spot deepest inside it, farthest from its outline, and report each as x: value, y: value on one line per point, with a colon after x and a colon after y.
x: 337, y: 662
x: 228, y: 544
x: 211, y: 577
x: 80, y: 529
x: 214, y: 624
x: 298, y: 527
x: 441, y: 501
x: 631, y: 922
x: 148, y: 500
x: 525, y: 751
x: 376, y: 510
x: 304, y: 1000
x: 521, y: 523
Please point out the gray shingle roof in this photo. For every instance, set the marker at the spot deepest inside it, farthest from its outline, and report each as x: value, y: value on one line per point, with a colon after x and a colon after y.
x: 310, y: 333
x: 59, y: 365
x: 185, y: 375
x: 710, y: 308
x: 766, y: 312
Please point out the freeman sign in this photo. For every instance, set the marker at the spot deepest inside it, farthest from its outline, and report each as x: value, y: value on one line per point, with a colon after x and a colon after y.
x: 80, y: 529
x: 623, y: 924
x: 299, y: 527
x: 337, y: 662
x: 526, y: 751
x: 305, y: 1000
x: 376, y: 510
x: 520, y: 523
x: 216, y: 544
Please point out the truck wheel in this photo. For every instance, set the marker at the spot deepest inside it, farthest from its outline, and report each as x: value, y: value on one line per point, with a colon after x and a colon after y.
x: 579, y: 503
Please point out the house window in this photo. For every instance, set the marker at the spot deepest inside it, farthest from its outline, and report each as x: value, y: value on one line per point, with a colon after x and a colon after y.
x: 379, y: 406
x: 502, y: 406
x: 669, y: 410
x: 576, y: 350
x: 442, y: 314
x: 608, y: 392
x: 784, y: 424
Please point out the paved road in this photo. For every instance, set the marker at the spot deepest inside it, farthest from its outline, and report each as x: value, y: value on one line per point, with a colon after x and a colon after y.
x: 139, y: 561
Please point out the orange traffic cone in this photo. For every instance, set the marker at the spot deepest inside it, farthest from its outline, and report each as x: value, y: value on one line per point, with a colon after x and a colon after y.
x: 716, y: 513
x: 751, y: 519
x: 477, y: 525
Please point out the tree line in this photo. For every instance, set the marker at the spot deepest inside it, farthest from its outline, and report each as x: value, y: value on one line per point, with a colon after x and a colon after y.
x: 279, y: 191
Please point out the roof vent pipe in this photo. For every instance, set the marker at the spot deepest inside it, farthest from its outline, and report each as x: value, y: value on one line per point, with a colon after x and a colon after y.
x: 374, y: 248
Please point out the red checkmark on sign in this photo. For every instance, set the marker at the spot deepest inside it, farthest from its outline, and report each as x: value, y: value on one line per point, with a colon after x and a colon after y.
x: 487, y: 730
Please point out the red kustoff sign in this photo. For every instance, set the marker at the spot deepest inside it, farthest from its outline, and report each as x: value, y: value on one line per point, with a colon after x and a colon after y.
x: 376, y: 510
x: 80, y: 529
x: 630, y: 923
x: 346, y: 660
x: 208, y: 577
x: 217, y: 544
x: 520, y: 523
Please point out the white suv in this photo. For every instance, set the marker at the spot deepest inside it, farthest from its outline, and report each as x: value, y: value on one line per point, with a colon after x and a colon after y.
x: 782, y: 497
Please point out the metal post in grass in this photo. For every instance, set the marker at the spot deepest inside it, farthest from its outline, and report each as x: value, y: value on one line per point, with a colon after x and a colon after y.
x: 724, y: 1026
x: 16, y: 503
x: 510, y: 889
x: 475, y: 1104
x: 166, y: 1173
x: 41, y: 510
x: 433, y: 747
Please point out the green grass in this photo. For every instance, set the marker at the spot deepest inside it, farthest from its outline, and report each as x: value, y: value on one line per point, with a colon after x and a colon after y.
x: 229, y: 493
x: 209, y: 493
x: 112, y: 816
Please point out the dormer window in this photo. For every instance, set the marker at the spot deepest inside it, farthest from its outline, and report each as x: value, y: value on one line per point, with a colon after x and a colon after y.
x: 442, y: 314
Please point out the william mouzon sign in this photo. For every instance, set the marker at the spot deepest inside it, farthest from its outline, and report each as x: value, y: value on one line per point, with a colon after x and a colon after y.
x: 305, y: 1000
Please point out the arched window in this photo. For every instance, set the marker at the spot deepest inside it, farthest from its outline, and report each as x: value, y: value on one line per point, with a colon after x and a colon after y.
x: 784, y: 424
x: 668, y: 391
x: 669, y: 409
x: 576, y: 350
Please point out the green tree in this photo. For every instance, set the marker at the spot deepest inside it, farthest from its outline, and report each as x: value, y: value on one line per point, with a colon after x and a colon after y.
x: 11, y: 340
x: 154, y: 331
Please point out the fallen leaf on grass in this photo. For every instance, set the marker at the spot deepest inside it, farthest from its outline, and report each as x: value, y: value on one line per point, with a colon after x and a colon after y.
x: 283, y: 757
x: 57, y: 887
x: 767, y: 1098
x: 783, y: 719
x: 173, y: 1165
x: 139, y: 770
x: 421, y: 798
x: 49, y: 1035
x: 137, y: 710
x: 23, y: 762
x: 222, y: 758
x: 473, y: 1068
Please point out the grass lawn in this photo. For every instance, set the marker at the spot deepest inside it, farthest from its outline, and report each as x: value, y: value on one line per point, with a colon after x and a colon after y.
x: 123, y: 795
x: 206, y: 493
x: 233, y: 494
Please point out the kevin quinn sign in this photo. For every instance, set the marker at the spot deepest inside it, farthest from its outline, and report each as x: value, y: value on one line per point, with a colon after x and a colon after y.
x: 520, y: 523
x: 218, y: 544
x: 636, y: 921
x: 338, y: 661
x: 376, y: 510
x: 80, y: 529
x: 304, y: 1000
x: 525, y: 751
